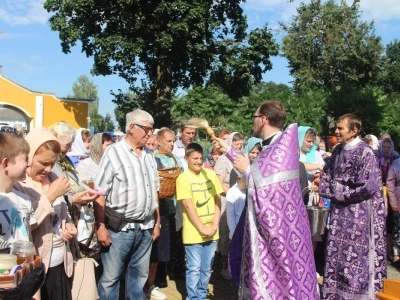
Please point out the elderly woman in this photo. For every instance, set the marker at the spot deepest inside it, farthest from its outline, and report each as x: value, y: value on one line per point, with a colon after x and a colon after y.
x: 393, y: 188
x: 386, y: 155
x: 78, y: 197
x: 65, y: 134
x: 54, y: 230
x: 89, y: 168
x: 87, y: 171
x: 80, y: 148
x: 223, y: 169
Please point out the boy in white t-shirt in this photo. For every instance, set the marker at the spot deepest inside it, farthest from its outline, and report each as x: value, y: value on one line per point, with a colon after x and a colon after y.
x: 235, y: 202
x: 14, y: 206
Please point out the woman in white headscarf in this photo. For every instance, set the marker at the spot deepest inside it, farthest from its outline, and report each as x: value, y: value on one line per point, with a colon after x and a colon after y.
x: 223, y: 168
x: 80, y: 148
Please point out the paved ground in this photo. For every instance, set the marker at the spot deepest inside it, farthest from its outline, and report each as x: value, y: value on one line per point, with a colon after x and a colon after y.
x: 222, y: 289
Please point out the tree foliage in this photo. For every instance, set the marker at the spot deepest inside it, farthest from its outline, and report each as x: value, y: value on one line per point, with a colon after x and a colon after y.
x: 391, y: 79
x: 125, y: 102
x: 84, y: 88
x: 222, y: 112
x: 327, y: 46
x: 179, y: 43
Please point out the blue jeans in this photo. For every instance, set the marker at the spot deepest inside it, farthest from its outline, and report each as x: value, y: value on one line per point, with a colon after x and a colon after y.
x: 199, y: 260
x: 131, y: 250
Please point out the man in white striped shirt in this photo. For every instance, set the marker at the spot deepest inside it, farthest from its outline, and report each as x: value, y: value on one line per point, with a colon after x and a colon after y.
x: 129, y: 179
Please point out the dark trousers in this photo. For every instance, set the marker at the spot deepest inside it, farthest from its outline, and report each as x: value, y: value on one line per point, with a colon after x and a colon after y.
x: 57, y: 285
x: 176, y: 265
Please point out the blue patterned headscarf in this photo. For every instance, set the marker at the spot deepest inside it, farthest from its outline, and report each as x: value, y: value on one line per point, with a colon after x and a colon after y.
x: 310, y: 155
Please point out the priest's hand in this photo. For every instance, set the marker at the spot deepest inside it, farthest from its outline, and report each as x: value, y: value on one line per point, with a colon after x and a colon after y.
x: 241, y: 163
x: 220, y: 144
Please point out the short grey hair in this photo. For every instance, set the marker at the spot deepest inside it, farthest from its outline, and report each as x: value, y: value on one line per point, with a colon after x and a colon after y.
x: 63, y: 131
x: 138, y: 116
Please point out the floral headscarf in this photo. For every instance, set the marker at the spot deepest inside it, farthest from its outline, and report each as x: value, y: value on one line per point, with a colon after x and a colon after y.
x: 96, y: 148
x: 392, y: 154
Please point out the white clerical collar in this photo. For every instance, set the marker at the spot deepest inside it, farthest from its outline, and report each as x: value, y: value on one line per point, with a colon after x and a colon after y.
x: 271, y: 138
x: 352, y: 143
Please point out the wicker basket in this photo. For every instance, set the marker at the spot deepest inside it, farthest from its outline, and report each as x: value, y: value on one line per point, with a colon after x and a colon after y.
x: 168, y: 180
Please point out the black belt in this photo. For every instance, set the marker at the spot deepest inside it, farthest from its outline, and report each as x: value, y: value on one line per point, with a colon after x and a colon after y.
x: 127, y: 220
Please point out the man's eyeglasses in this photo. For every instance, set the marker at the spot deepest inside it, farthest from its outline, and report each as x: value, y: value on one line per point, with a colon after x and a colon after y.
x: 253, y: 117
x: 145, y: 128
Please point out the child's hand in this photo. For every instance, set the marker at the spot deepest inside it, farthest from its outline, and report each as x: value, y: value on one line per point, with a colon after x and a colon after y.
x: 208, y: 231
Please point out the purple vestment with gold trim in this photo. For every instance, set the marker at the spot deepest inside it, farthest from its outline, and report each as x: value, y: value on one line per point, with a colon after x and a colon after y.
x: 356, y: 247
x: 277, y: 257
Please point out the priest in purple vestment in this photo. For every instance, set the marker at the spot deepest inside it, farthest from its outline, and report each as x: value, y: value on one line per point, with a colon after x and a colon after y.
x: 277, y: 257
x: 356, y: 247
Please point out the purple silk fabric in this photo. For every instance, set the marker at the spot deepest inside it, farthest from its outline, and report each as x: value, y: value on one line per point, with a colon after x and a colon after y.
x: 277, y: 257
x: 356, y: 247
x: 235, y: 251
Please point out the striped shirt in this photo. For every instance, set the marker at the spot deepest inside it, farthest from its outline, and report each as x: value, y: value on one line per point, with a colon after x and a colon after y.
x: 129, y: 182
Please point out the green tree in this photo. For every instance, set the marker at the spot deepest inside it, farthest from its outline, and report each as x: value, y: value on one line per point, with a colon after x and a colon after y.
x: 96, y: 120
x: 171, y: 43
x: 125, y: 102
x: 391, y: 80
x: 83, y: 88
x: 239, y: 65
x: 327, y: 46
x: 307, y: 109
x: 209, y: 103
x: 108, y: 123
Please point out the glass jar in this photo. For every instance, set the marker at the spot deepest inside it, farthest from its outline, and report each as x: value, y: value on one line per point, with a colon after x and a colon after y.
x: 7, y: 262
x: 24, y: 251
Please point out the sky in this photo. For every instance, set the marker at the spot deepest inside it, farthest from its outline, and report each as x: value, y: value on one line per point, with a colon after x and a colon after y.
x: 31, y: 55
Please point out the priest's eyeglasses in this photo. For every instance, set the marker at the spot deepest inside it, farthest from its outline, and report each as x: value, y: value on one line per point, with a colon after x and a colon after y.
x: 253, y: 117
x: 145, y: 128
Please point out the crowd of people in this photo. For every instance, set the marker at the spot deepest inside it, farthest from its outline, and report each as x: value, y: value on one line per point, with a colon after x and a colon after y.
x: 111, y: 203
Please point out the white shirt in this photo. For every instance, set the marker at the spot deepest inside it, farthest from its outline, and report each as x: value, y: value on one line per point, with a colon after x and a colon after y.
x: 235, y: 202
x: 14, y: 208
x: 130, y: 182
x: 179, y: 151
x: 352, y: 143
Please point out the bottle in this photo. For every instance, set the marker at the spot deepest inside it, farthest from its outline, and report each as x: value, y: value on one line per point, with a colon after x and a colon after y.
x: 24, y: 251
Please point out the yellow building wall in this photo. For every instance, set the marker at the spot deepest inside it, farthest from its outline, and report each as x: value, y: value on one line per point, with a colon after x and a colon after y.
x: 54, y: 110
x: 74, y: 113
x: 15, y: 95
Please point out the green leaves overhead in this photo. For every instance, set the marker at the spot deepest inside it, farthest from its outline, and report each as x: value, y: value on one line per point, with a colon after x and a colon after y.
x: 84, y: 88
x: 173, y: 44
x: 327, y: 46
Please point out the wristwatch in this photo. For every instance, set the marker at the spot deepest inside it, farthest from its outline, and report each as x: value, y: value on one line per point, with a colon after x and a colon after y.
x: 157, y: 224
